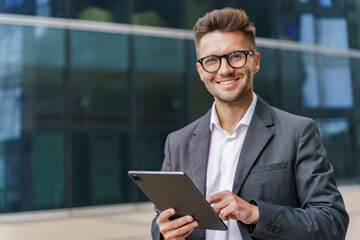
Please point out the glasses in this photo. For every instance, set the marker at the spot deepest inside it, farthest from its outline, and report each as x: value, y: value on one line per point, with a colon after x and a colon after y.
x: 235, y: 59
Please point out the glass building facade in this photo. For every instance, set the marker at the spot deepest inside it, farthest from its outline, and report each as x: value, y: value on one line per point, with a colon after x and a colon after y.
x: 90, y: 89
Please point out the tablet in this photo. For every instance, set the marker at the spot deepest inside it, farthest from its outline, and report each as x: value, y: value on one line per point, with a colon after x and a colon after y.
x: 176, y: 190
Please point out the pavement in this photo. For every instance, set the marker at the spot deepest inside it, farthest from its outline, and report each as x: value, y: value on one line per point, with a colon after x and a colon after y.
x: 117, y: 222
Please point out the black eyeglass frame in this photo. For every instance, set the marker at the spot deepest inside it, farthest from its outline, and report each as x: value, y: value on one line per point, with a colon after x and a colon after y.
x: 227, y: 59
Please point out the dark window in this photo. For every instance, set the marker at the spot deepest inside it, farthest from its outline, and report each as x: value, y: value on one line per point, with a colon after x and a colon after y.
x: 100, y: 10
x: 31, y: 119
x: 158, y: 13
x: 99, y: 114
x: 159, y: 76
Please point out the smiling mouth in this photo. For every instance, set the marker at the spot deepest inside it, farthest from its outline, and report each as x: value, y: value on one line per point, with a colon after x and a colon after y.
x: 228, y: 82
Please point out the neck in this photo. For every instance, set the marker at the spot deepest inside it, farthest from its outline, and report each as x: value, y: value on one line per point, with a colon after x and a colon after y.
x: 230, y: 114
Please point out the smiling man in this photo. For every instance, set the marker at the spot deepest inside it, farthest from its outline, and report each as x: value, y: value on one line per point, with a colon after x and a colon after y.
x: 263, y: 170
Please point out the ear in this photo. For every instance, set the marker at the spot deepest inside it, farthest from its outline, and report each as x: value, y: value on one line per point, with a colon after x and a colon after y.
x: 256, y: 62
x: 199, y: 70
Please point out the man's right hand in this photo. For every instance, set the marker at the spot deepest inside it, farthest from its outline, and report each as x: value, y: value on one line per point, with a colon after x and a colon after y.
x: 176, y: 229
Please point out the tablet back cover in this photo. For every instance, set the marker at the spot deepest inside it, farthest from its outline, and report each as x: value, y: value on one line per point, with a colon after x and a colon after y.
x: 176, y: 190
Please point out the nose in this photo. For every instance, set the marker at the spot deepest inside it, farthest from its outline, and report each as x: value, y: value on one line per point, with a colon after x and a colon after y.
x: 225, y: 68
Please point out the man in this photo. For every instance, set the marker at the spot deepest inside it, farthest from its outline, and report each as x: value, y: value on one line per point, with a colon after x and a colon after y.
x: 263, y: 170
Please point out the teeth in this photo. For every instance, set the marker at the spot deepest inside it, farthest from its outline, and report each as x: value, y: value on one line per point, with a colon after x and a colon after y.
x: 227, y: 82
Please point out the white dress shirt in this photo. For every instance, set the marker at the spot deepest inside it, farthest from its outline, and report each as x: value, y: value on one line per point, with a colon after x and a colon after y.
x: 224, y: 154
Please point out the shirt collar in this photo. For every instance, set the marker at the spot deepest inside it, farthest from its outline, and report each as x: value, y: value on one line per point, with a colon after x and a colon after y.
x: 214, y: 120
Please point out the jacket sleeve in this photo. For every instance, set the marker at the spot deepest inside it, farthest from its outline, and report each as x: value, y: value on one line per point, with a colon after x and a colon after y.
x: 155, y: 233
x: 321, y: 213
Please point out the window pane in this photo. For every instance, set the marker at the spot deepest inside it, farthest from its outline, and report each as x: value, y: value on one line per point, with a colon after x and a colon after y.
x: 353, y: 16
x: 159, y: 74
x: 45, y: 8
x: 262, y: 13
x: 300, y: 83
x: 336, y: 137
x: 31, y: 118
x: 355, y: 72
x: 312, y: 81
x: 336, y: 84
x: 198, y: 8
x: 200, y: 99
x: 99, y: 10
x: 158, y: 13
x: 267, y: 80
x: 100, y: 123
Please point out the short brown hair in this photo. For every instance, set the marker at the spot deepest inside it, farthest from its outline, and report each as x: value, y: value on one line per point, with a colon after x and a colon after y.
x: 225, y: 20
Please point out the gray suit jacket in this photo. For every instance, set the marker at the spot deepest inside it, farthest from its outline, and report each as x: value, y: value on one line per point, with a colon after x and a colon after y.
x: 282, y: 169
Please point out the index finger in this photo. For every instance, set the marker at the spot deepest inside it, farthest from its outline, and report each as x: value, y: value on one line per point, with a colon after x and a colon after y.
x: 166, y: 214
x: 217, y: 197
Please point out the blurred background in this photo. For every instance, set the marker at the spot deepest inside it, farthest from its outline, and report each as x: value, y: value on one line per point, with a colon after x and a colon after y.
x: 90, y: 89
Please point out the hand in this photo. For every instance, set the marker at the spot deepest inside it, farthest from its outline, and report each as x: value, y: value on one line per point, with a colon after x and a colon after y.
x: 176, y: 229
x: 230, y: 206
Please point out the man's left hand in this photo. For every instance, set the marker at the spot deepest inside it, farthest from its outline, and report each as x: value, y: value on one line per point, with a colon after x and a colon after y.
x: 230, y: 206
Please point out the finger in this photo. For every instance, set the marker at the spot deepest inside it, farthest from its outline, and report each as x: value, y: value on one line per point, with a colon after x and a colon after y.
x: 225, y: 205
x: 172, y: 225
x: 165, y: 215
x: 180, y: 222
x: 220, y: 206
x: 226, y: 213
x: 181, y: 232
x: 217, y: 197
x: 240, y: 210
x: 214, y: 198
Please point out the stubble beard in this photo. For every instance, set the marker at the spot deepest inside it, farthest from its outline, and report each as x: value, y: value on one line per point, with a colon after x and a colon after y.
x: 239, y: 96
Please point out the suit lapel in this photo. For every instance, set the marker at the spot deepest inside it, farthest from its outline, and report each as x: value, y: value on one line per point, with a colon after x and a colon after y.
x: 199, y: 151
x: 257, y: 137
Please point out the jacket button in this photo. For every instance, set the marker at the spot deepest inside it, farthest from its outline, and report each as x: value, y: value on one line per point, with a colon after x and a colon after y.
x: 270, y: 227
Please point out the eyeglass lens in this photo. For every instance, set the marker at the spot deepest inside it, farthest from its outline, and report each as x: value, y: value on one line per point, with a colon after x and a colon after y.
x: 234, y: 59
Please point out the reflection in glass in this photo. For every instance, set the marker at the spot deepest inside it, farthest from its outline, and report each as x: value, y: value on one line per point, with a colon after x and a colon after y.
x: 333, y: 32
x: 267, y: 80
x: 337, y: 86
x: 10, y: 112
x: 328, y: 82
x: 336, y: 137
x: 353, y: 16
x: 200, y: 100
x: 198, y: 8
x: 325, y: 3
x: 310, y: 89
x: 99, y: 10
x: 31, y: 119
x: 159, y: 69
x: 355, y: 73
x: 158, y: 13
x: 45, y: 8
x: 307, y: 28
x: 100, y: 123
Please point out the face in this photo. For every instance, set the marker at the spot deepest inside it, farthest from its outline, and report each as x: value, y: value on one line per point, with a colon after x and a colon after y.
x: 228, y: 85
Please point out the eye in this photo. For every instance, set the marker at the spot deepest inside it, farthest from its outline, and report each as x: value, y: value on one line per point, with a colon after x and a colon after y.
x: 210, y: 60
x: 236, y: 56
